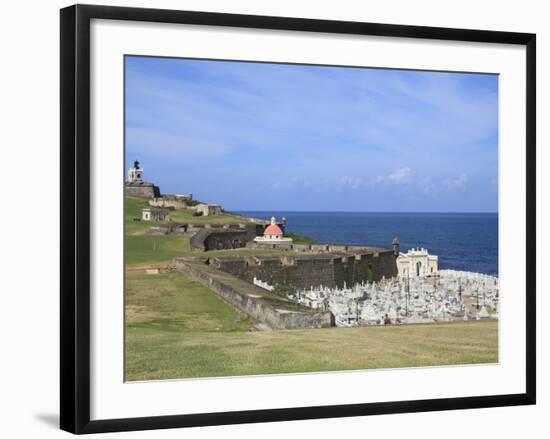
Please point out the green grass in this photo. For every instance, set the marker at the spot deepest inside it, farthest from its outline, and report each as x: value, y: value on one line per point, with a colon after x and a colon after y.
x: 132, y: 210
x: 176, y: 328
x: 299, y: 239
x: 176, y: 302
x: 186, y: 216
x: 153, y: 249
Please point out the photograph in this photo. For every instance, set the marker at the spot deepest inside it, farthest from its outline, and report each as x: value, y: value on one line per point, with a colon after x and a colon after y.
x: 293, y: 218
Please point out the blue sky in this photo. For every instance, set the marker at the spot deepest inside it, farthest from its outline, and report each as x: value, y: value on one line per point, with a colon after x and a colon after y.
x: 254, y: 136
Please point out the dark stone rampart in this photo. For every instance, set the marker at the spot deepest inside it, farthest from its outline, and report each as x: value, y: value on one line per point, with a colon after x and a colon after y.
x: 222, y: 237
x: 330, y: 270
x: 142, y: 190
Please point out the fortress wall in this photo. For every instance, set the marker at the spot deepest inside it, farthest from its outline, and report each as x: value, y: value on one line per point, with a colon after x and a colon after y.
x: 253, y: 230
x: 319, y: 247
x: 209, y: 238
x: 366, y: 267
x: 142, y: 191
x: 221, y: 236
x: 308, y: 273
x: 234, y: 266
x: 384, y: 265
x: 238, y: 294
x: 168, y: 202
x: 301, y: 247
x: 226, y: 239
x: 300, y: 273
x: 303, y: 272
x: 337, y: 248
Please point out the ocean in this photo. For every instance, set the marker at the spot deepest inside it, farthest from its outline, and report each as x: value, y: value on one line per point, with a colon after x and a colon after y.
x: 463, y: 241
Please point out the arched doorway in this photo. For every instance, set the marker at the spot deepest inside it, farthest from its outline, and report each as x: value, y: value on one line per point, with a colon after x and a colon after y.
x: 418, y: 266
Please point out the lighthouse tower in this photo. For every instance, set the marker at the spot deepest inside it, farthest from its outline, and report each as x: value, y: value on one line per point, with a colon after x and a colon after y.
x: 135, y: 174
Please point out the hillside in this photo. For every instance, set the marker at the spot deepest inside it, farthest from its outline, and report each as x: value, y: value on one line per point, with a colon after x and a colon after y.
x: 142, y: 248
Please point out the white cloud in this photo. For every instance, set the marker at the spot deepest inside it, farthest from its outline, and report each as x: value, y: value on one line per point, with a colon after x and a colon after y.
x: 458, y: 183
x: 352, y: 182
x: 398, y: 176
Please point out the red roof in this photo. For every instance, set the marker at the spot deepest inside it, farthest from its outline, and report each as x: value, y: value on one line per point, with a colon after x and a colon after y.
x: 273, y: 229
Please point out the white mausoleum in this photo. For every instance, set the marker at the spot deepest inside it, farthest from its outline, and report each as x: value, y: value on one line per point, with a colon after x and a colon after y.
x: 273, y: 235
x: 416, y: 262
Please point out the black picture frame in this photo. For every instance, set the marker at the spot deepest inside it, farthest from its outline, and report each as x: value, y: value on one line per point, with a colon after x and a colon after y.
x: 75, y: 217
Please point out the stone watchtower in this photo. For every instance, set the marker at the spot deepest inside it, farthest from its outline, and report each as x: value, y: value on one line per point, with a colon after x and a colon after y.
x: 135, y: 174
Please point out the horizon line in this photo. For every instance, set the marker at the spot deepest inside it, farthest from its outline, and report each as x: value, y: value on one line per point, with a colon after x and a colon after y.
x: 356, y: 211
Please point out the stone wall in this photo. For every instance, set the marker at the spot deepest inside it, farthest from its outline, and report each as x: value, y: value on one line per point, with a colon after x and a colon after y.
x: 168, y: 228
x: 306, y: 248
x: 209, y: 209
x: 173, y: 201
x: 218, y: 237
x: 211, y: 239
x: 313, y: 270
x: 144, y: 190
x: 252, y: 300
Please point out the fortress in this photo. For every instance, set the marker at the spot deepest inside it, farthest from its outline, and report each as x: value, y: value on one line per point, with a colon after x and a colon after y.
x: 272, y: 260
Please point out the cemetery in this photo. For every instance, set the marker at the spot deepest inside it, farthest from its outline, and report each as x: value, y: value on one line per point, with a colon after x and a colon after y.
x: 449, y: 296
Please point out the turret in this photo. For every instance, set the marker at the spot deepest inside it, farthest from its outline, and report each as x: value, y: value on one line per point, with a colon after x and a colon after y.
x: 395, y: 246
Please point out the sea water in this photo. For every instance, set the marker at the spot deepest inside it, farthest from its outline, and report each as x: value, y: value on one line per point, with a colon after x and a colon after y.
x: 463, y: 241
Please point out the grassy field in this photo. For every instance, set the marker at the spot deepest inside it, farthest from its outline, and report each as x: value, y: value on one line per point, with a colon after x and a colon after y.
x: 176, y: 328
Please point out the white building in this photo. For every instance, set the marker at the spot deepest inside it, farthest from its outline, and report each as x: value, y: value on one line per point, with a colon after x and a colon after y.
x: 273, y: 235
x: 416, y: 262
x: 155, y: 214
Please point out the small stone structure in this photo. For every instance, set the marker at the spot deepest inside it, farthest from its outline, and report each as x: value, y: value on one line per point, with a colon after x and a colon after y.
x: 155, y: 214
x: 209, y: 209
x: 417, y: 262
x: 137, y: 187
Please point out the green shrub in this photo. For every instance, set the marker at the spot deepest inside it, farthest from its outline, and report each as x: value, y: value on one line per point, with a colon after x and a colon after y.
x: 283, y: 290
x: 298, y: 239
x: 192, y: 203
